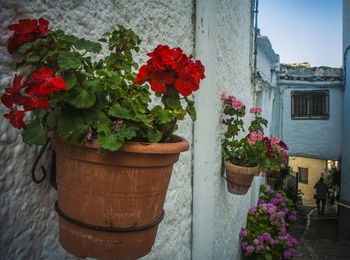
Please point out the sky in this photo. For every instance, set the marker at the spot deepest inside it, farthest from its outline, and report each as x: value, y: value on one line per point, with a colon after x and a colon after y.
x: 303, y: 30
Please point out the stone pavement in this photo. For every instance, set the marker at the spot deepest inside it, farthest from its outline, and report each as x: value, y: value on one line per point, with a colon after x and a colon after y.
x: 318, y: 235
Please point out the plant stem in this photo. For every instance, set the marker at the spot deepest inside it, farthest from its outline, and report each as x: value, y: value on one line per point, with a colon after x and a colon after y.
x: 166, y: 137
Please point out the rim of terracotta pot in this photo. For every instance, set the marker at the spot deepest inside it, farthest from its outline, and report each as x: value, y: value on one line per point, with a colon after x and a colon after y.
x: 177, y: 144
x: 232, y: 167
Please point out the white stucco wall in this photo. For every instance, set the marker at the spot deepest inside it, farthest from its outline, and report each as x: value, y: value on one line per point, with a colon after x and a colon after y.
x: 266, y: 90
x: 223, y: 42
x: 319, y: 139
x: 28, y: 222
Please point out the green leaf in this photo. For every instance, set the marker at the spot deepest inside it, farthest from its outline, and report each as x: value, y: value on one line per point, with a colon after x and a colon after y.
x: 40, y: 113
x: 94, y: 84
x: 82, y: 98
x: 144, y: 118
x: 191, y: 110
x: 71, y: 126
x: 70, y: 79
x: 164, y: 116
x: 67, y: 60
x: 126, y: 132
x: 24, y: 48
x: 51, y: 121
x: 90, y: 46
x: 79, y: 133
x: 69, y: 38
x: 33, y: 58
x: 268, y: 257
x: 34, y: 133
x: 172, y: 102
x: 120, y: 112
x: 154, y: 136
x: 110, y: 142
x: 58, y: 33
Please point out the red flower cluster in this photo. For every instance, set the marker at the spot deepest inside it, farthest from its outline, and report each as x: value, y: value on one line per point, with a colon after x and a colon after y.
x: 274, y: 146
x: 26, y: 31
x: 38, y: 90
x: 171, y: 67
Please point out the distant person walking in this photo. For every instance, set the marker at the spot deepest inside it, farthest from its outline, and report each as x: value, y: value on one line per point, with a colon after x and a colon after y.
x: 321, y: 192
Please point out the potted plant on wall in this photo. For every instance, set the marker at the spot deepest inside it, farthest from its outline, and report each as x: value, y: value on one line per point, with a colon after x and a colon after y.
x: 115, y: 154
x: 251, y: 154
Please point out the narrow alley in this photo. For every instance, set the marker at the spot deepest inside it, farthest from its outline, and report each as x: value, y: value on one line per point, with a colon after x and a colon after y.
x: 318, y: 234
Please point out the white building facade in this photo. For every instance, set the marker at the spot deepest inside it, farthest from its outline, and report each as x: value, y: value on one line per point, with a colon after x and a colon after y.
x: 311, y: 111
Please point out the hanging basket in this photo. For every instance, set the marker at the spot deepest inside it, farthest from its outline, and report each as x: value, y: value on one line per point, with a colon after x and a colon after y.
x: 110, y: 205
x: 239, y: 178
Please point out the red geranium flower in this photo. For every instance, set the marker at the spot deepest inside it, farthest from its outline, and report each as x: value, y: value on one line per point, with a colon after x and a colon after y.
x: 171, y: 67
x: 26, y: 31
x: 16, y: 118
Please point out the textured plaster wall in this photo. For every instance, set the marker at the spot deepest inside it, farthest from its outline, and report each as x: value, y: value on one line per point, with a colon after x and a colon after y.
x: 266, y: 90
x: 234, y: 42
x: 264, y: 64
x: 28, y: 223
x: 223, y: 42
x: 321, y: 139
x: 315, y: 168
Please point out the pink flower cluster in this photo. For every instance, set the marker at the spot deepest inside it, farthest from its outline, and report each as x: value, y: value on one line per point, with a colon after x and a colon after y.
x: 236, y: 104
x: 255, y: 136
x: 272, y: 214
x: 274, y: 147
x: 254, y: 110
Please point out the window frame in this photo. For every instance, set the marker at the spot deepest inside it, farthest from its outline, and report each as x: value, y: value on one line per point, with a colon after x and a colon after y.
x: 310, y: 95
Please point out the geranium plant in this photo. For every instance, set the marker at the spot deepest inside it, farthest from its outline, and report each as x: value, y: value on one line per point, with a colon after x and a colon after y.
x: 265, y: 236
x: 253, y: 148
x: 82, y: 98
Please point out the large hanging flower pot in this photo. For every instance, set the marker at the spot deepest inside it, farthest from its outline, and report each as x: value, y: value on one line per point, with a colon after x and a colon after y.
x: 110, y: 205
x: 239, y: 178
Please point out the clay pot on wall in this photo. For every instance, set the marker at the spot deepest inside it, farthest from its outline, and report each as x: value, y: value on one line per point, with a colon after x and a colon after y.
x: 239, y: 178
x: 271, y: 181
x: 110, y: 205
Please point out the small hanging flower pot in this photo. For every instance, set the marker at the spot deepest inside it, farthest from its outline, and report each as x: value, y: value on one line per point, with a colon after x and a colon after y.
x: 250, y: 154
x: 271, y: 181
x: 239, y: 178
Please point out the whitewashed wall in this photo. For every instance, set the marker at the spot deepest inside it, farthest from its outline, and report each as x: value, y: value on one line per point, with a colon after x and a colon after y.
x: 28, y: 222
x: 319, y: 139
x: 224, y: 43
x: 202, y: 219
x: 267, y: 94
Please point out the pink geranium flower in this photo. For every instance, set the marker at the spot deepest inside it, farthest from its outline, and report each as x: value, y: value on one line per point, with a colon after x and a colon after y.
x: 223, y: 96
x: 237, y: 104
x: 255, y: 110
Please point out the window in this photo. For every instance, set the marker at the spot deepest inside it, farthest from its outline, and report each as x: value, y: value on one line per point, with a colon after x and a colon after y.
x: 303, y: 175
x: 310, y: 104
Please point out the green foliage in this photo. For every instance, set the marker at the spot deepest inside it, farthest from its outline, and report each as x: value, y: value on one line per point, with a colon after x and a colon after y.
x: 34, y: 133
x: 254, y: 148
x: 101, y: 98
x: 265, y: 236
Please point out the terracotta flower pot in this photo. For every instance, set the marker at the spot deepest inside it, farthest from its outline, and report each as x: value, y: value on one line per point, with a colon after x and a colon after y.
x: 271, y: 181
x: 110, y: 205
x: 239, y: 178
